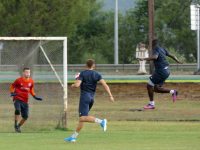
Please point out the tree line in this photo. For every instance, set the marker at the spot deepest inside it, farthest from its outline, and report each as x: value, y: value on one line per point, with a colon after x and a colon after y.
x: 90, y: 29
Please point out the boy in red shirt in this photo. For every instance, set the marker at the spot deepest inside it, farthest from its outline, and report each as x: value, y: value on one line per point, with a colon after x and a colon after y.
x: 20, y: 90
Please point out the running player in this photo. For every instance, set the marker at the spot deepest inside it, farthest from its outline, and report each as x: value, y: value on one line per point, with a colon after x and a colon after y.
x: 20, y: 90
x: 160, y: 74
x: 87, y: 81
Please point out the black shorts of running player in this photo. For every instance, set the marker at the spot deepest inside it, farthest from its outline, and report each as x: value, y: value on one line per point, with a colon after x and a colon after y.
x: 21, y: 108
x: 159, y: 77
x: 86, y: 103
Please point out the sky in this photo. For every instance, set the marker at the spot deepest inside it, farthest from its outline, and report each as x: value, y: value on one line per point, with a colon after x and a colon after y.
x: 123, y: 4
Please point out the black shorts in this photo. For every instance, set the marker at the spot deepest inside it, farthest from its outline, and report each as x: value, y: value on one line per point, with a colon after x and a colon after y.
x: 86, y: 103
x: 22, y: 107
x: 159, y: 76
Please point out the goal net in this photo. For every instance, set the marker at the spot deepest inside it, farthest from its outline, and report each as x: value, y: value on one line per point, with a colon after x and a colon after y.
x: 47, y: 59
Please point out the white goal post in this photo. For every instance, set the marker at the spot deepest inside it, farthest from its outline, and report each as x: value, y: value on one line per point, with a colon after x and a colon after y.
x: 65, y: 81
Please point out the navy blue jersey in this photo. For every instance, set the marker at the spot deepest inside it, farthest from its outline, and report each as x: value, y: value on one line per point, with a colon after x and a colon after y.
x: 160, y: 62
x: 89, y: 80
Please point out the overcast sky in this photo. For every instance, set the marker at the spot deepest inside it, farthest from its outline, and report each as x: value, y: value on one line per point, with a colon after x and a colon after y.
x: 123, y: 4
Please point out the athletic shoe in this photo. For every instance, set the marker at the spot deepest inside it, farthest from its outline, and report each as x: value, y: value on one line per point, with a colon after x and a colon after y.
x: 149, y: 106
x: 70, y: 139
x: 17, y: 129
x: 174, y: 95
x: 104, y: 124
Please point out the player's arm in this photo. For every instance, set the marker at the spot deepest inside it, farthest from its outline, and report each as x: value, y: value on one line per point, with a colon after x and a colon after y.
x: 174, y: 58
x: 153, y: 57
x: 12, y: 89
x: 32, y: 92
x: 76, y: 84
x: 106, y: 87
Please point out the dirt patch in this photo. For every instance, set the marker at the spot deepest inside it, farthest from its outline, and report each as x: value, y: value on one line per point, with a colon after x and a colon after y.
x: 52, y: 91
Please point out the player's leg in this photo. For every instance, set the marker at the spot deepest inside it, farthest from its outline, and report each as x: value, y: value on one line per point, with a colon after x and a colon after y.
x: 83, y: 109
x: 150, y: 89
x: 82, y: 119
x: 79, y: 127
x: 22, y: 121
x: 24, y: 113
x: 17, y: 114
x: 86, y: 103
x: 102, y: 122
x: 92, y: 119
x: 161, y: 77
x: 158, y: 87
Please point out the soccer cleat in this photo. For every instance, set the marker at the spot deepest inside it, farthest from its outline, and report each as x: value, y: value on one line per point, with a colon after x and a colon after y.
x: 70, y: 139
x: 104, y: 125
x: 149, y: 106
x: 17, y: 129
x: 174, y: 95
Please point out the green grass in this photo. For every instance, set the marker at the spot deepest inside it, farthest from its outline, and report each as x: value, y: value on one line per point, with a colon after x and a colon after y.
x: 127, y: 135
x: 171, y: 126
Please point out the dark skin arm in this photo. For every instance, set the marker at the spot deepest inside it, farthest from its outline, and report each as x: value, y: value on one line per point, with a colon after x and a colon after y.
x: 174, y: 58
x: 154, y: 57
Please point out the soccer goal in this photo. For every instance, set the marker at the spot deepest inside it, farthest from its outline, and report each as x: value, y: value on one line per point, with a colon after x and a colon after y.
x: 47, y: 58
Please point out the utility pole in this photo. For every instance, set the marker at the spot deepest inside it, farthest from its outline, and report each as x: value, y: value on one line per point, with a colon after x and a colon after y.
x: 198, y: 39
x: 195, y: 25
x: 116, y: 53
x: 151, y: 30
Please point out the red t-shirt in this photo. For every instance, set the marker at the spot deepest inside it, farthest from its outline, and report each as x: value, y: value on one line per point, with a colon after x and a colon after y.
x: 22, y: 87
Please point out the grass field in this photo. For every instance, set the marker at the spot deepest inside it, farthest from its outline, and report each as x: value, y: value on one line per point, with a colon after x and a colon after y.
x: 175, y: 127
x: 171, y: 126
x: 121, y: 135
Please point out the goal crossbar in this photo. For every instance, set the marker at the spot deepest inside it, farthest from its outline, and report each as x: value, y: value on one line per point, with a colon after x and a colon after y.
x: 34, y: 38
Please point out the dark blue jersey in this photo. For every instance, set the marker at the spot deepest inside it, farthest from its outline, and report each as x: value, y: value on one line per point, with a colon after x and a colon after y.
x: 160, y: 62
x: 89, y: 80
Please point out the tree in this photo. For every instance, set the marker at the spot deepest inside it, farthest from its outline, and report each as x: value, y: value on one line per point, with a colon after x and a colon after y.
x: 133, y: 29
x: 94, y: 38
x: 172, y: 30
x: 43, y: 17
x: 90, y: 30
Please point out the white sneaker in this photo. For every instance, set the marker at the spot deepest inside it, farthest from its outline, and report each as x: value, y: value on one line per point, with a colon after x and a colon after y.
x: 104, y: 125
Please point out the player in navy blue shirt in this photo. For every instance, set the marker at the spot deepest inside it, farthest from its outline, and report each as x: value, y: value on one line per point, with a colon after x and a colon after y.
x: 160, y: 74
x: 87, y: 81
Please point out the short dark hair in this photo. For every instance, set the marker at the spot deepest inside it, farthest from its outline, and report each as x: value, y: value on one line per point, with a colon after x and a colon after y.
x: 90, y: 63
x: 26, y: 68
x: 155, y: 42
